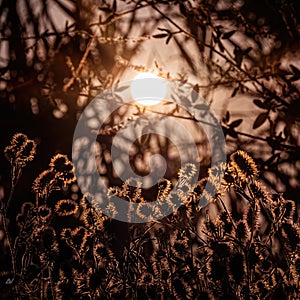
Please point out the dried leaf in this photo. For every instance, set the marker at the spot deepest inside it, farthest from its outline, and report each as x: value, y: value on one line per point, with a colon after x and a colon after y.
x: 286, y: 132
x: 164, y: 29
x: 261, y: 118
x: 295, y: 70
x: 247, y: 50
x: 260, y: 104
x: 295, y: 78
x: 160, y: 35
x: 221, y: 46
x: 238, y: 56
x: 232, y: 133
x: 105, y: 9
x: 228, y: 34
x: 227, y: 116
x: 273, y: 144
x: 236, y: 123
x: 235, y: 92
x: 169, y: 38
x: 115, y: 5
x: 182, y: 9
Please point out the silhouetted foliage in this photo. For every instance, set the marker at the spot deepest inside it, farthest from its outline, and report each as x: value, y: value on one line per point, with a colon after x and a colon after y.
x: 64, y: 250
x: 56, y: 56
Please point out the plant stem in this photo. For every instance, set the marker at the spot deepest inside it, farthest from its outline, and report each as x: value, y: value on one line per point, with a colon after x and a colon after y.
x: 12, y: 253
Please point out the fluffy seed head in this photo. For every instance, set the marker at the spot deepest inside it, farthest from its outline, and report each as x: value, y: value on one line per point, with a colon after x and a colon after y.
x: 244, y: 165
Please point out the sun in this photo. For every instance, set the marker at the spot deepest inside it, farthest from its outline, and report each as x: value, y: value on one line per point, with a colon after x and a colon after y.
x: 148, y: 88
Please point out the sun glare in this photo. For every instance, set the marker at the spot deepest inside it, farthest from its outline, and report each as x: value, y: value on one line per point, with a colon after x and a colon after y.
x: 148, y: 89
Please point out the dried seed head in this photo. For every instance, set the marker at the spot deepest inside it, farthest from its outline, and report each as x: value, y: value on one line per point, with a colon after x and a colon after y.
x: 44, y: 213
x: 61, y: 165
x: 199, y: 187
x: 164, y: 187
x: 244, y: 165
x: 89, y: 217
x: 20, y: 218
x: 216, y: 269
x: 27, y: 152
x: 252, y: 217
x: 26, y: 207
x: 44, y: 183
x: 93, y: 220
x: 79, y: 238
x: 291, y: 234
x: 242, y: 230
x: 21, y: 150
x: 262, y: 287
x: 144, y: 211
x: 68, y: 175
x: 225, y: 222
x: 58, y: 162
x: 290, y: 210
x: 114, y: 191
x: 84, y: 203
x: 165, y: 205
x: 182, y: 290
x: 66, y: 233
x: 229, y: 178
x: 49, y: 245
x: 66, y: 207
x: 212, y: 190
x: 188, y: 171
x: 102, y: 252
x: 132, y: 190
x: 111, y: 210
x: 18, y: 140
x: 259, y: 191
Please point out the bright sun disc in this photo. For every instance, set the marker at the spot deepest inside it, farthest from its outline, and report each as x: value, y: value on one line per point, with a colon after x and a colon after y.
x: 148, y: 89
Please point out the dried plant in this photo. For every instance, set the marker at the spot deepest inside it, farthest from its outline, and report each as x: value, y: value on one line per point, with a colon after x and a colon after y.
x: 243, y: 244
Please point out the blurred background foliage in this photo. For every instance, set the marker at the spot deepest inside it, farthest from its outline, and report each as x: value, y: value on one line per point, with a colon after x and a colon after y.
x: 241, y: 56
